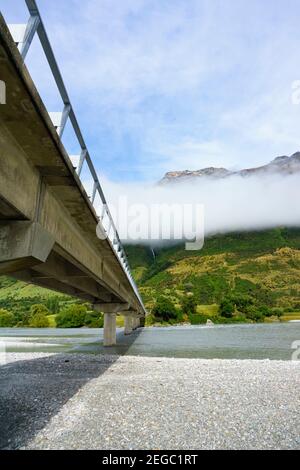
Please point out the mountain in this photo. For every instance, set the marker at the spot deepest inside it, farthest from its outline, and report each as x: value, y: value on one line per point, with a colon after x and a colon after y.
x: 281, y: 165
x: 264, y: 265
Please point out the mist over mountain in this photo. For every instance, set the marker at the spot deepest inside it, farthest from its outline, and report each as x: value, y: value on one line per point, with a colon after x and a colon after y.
x: 252, y: 199
x: 283, y: 165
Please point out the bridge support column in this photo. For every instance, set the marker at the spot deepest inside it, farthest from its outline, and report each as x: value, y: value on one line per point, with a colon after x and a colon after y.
x: 128, y: 324
x: 136, y: 323
x: 110, y: 332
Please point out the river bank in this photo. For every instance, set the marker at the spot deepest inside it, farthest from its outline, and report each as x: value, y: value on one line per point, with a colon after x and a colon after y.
x: 76, y: 401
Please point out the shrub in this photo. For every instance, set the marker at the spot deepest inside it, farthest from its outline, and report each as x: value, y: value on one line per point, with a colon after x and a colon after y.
x: 196, y: 319
x: 150, y: 320
x: 265, y: 310
x: 72, y: 316
x: 7, y: 319
x: 289, y: 309
x: 277, y: 311
x: 164, y: 309
x: 254, y: 313
x: 242, y: 301
x: 233, y: 319
x: 188, y: 287
x: 188, y: 304
x: 52, y: 304
x: 210, y: 288
x: 227, y: 307
x: 94, y: 319
x: 38, y: 308
x: 38, y: 316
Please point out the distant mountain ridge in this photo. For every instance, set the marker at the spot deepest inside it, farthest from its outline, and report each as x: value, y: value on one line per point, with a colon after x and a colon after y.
x: 281, y: 165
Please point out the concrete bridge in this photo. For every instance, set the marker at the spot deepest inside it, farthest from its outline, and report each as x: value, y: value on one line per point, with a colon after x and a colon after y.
x: 47, y: 220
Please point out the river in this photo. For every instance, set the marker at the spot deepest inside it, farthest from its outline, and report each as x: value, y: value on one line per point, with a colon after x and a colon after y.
x: 259, y: 341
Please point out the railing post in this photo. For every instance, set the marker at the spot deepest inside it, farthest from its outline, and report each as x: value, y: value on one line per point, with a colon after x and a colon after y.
x: 32, y: 26
x: 81, y: 161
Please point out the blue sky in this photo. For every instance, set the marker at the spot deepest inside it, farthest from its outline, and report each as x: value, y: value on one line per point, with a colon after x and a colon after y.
x: 160, y: 85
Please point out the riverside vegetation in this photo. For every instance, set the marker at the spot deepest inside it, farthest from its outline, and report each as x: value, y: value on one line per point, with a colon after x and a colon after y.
x: 238, y: 277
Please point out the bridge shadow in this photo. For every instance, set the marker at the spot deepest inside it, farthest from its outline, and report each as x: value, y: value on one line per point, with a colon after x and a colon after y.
x: 33, y: 391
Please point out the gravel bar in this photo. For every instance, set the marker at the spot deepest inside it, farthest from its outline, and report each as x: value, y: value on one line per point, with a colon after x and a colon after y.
x: 75, y: 401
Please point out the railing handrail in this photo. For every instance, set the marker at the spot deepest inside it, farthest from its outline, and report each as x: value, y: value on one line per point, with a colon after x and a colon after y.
x: 35, y: 25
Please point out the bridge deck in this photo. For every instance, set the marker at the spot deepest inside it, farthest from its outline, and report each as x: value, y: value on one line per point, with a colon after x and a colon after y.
x: 48, y: 223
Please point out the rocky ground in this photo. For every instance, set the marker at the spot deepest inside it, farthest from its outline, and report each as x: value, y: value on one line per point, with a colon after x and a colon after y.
x: 108, y: 402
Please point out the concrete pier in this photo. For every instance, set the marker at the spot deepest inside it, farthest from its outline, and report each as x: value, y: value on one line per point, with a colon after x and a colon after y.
x: 128, y: 320
x: 110, y: 335
x: 131, y: 320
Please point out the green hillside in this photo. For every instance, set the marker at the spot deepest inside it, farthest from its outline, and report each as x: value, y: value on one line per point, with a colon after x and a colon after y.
x: 263, y: 265
x: 18, y: 297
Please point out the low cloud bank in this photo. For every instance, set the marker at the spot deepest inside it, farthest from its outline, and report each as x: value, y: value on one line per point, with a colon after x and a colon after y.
x: 231, y: 204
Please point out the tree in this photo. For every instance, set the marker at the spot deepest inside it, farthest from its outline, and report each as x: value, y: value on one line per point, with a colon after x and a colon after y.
x: 227, y: 307
x: 188, y: 286
x: 265, y: 311
x: 38, y: 308
x: 164, y: 309
x: 242, y: 301
x: 73, y: 316
x: 94, y: 319
x: 254, y: 313
x: 52, y: 304
x: 188, y: 304
x: 38, y: 316
x: 279, y: 312
x: 7, y: 319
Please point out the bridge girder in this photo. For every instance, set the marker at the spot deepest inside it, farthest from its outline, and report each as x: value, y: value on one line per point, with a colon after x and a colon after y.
x: 47, y: 222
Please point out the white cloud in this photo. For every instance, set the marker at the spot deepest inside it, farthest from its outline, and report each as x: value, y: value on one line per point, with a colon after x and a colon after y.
x: 231, y: 204
x: 187, y: 84
x: 190, y: 154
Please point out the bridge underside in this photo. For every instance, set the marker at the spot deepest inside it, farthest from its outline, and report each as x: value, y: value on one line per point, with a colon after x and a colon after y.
x: 47, y: 222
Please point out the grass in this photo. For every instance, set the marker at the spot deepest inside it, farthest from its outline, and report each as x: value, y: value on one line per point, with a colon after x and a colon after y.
x: 120, y: 321
x: 291, y: 316
x: 18, y: 290
x: 208, y: 310
x: 52, y: 322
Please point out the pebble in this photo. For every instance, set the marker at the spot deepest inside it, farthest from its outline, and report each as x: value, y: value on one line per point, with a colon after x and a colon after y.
x: 149, y: 403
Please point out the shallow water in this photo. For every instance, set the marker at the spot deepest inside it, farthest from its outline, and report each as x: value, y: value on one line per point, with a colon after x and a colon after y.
x: 260, y: 341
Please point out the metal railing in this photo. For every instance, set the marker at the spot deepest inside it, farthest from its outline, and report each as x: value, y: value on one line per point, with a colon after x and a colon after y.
x: 23, y: 35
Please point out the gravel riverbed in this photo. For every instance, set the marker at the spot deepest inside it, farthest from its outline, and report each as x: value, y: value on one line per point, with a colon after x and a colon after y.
x: 74, y: 401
